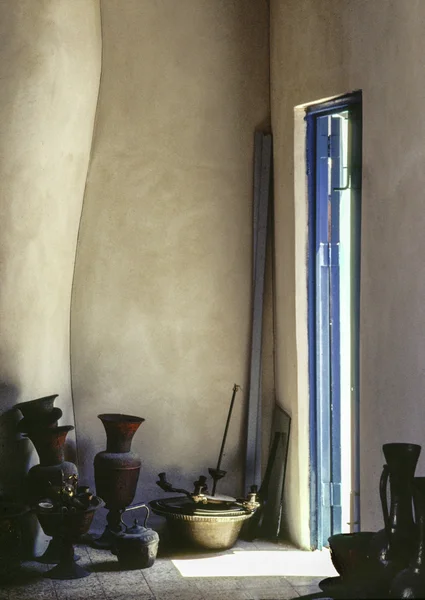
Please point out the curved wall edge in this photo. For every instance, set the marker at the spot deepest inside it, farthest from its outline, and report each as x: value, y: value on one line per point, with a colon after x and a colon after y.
x: 50, y: 69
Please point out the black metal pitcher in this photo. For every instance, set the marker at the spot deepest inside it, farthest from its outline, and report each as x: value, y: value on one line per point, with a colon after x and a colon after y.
x: 391, y: 548
x: 410, y: 583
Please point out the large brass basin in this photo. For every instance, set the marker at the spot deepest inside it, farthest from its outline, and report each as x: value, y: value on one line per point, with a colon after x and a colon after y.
x: 206, y: 526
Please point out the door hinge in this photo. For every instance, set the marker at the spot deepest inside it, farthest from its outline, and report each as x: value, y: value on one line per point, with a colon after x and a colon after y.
x: 329, y: 255
x: 331, y: 494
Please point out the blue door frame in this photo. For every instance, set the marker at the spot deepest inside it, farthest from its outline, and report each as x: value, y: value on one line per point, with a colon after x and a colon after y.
x: 324, y: 186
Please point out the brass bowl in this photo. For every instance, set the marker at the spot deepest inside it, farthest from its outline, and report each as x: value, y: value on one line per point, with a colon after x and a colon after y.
x: 207, y: 526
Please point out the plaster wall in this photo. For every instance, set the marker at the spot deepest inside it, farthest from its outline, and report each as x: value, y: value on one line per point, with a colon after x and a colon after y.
x: 321, y: 50
x: 162, y: 296
x: 49, y: 74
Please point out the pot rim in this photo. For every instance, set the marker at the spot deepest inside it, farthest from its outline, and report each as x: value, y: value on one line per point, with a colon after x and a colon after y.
x: 49, y: 430
x: 353, y: 534
x: 115, y: 417
x: 29, y: 402
x: 217, y: 516
x: 201, y: 519
x: 402, y: 445
x: 27, y: 423
x: 78, y: 512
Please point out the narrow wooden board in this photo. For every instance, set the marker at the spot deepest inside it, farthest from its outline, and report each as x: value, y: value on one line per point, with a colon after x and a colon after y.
x: 253, y: 447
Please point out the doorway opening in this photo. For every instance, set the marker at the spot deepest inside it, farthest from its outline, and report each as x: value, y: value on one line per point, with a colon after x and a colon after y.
x: 334, y: 189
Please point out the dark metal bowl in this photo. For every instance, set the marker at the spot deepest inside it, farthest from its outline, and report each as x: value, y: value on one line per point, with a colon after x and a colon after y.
x: 70, y: 525
x: 350, y: 552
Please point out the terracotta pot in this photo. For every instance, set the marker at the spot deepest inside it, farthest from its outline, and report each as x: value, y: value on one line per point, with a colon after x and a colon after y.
x: 117, y: 469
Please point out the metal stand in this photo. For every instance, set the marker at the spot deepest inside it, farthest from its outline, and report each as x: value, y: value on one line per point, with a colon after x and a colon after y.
x: 104, y: 541
x: 114, y: 525
x: 67, y: 567
x: 107, y: 540
x: 52, y: 554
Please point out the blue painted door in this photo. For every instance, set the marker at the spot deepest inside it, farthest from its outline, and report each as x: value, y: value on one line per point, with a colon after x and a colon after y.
x: 327, y: 322
x: 333, y: 313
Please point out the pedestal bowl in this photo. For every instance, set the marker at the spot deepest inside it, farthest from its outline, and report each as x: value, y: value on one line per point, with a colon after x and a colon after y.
x: 69, y: 526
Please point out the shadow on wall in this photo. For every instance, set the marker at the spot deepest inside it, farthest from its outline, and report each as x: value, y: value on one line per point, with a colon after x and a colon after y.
x: 84, y: 456
x: 71, y: 451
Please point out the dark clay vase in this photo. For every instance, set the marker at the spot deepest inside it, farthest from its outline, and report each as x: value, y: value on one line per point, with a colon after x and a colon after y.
x: 50, y: 445
x: 391, y: 548
x: 116, y: 471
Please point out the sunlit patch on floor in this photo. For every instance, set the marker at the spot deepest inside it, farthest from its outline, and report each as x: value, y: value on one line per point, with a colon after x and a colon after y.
x: 259, y: 564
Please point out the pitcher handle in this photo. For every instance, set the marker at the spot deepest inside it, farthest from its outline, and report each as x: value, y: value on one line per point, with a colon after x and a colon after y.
x: 383, y: 495
x: 136, y: 507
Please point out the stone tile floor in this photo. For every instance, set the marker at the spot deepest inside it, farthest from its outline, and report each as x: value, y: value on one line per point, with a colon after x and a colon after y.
x: 249, y: 571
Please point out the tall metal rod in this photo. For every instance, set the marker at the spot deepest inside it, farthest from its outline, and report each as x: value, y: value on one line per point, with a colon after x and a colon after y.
x: 220, y: 456
x: 235, y: 389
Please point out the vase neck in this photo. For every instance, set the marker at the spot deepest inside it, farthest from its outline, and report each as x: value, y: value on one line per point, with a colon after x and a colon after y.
x: 50, y: 444
x: 118, y: 446
x: 120, y: 430
x: 401, y: 510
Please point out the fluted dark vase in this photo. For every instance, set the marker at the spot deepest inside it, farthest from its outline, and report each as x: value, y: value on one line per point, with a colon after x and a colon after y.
x: 391, y: 548
x: 34, y: 409
x: 50, y: 446
x: 38, y: 414
x: 410, y: 583
x: 116, y: 471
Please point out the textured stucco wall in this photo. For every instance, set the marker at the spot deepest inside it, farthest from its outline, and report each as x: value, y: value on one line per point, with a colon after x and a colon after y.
x: 306, y: 62
x: 161, y: 303
x: 320, y: 50
x: 50, y: 54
